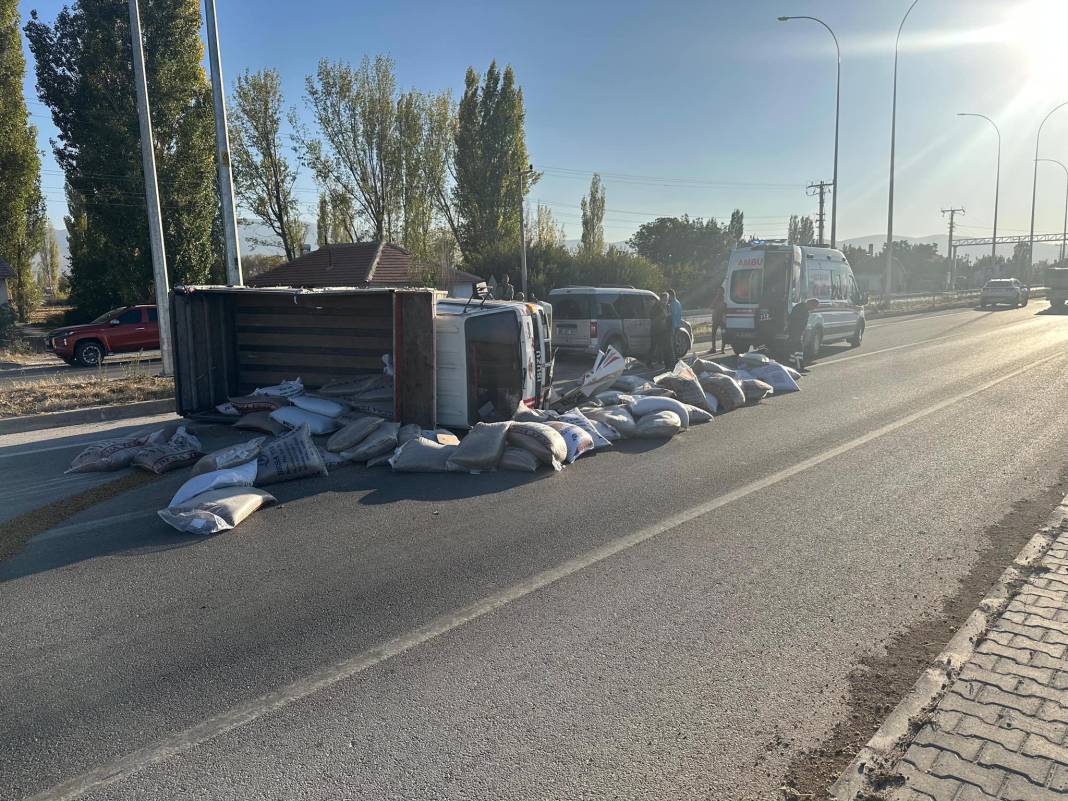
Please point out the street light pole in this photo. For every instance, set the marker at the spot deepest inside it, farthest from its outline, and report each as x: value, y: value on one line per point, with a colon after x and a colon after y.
x: 837, y: 116
x: 222, y: 151
x: 1034, y: 184
x: 1064, y: 234
x: 893, y: 145
x: 155, y: 218
x: 997, y: 182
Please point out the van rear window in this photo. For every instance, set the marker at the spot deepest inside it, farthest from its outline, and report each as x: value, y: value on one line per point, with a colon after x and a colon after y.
x: 745, y: 285
x: 571, y: 307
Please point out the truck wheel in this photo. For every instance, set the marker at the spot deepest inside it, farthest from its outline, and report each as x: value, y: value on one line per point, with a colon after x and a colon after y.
x: 858, y: 336
x: 89, y: 354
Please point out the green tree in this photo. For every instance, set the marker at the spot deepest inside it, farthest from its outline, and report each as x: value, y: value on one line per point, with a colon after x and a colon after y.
x: 263, y: 176
x: 50, y: 259
x: 20, y: 193
x: 26, y: 293
x: 692, y: 252
x: 489, y: 161
x: 322, y: 221
x: 593, y: 219
x: 355, y: 156
x: 84, y: 75
x: 802, y: 231
x: 735, y: 228
x: 342, y: 219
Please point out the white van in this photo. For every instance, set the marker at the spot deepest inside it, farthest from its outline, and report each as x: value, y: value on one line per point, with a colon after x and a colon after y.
x: 490, y: 356
x: 765, y: 280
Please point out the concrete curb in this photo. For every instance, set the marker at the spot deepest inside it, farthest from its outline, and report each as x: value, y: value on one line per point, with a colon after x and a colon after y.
x: 885, y: 746
x: 96, y: 414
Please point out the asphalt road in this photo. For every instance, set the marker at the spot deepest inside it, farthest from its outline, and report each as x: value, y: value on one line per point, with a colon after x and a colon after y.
x: 113, y: 367
x: 649, y: 623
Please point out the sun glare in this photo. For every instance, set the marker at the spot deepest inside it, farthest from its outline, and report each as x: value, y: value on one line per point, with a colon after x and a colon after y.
x: 1039, y: 28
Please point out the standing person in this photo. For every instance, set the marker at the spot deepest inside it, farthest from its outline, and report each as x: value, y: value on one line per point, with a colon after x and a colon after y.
x: 505, y: 290
x: 719, y: 320
x: 795, y: 328
x: 659, y: 330
x: 675, y: 305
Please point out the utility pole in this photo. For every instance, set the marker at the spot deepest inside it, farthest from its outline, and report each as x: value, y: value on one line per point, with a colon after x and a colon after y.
x: 155, y: 219
x: 222, y: 151
x: 820, y: 189
x: 952, y: 250
x: 523, y: 227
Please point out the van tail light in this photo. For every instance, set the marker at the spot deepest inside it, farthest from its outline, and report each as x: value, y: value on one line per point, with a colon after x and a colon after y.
x: 593, y: 330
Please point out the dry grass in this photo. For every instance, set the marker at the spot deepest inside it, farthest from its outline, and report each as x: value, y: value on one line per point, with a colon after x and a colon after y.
x: 55, y: 395
x: 19, y: 354
x: 48, y: 315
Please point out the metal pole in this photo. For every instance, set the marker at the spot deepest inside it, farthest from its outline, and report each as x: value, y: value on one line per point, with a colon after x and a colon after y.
x: 837, y: 116
x: 997, y: 182
x: 893, y: 146
x: 155, y: 220
x: 523, y: 232
x: 222, y: 151
x: 1034, y: 183
x: 1064, y: 234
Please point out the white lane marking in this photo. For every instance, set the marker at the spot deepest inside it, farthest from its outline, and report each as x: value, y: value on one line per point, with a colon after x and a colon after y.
x: 918, y: 318
x: 243, y: 714
x: 918, y: 342
x: 32, y: 451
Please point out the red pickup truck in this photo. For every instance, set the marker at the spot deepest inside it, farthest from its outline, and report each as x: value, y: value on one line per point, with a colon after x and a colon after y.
x: 126, y: 330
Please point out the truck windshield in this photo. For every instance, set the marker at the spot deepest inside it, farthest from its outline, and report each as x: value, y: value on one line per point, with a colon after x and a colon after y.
x: 494, y: 367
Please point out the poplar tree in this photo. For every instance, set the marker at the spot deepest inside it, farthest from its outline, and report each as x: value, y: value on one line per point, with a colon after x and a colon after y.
x: 21, y: 205
x: 85, y: 76
x: 593, y: 219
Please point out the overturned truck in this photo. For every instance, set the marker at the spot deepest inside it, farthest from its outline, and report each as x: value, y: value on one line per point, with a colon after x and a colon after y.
x: 454, y: 363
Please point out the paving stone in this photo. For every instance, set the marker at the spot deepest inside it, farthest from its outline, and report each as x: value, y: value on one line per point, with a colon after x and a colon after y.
x: 1036, y: 769
x: 1042, y: 675
x: 1021, y: 655
x: 1003, y: 681
x: 1028, y: 643
x: 1052, y: 730
x: 970, y: 792
x: 1029, y: 705
x: 1017, y: 788
x: 1004, y: 736
x: 921, y: 756
x: 988, y: 778
x: 939, y: 788
x: 1053, y: 712
x: 953, y: 702
x: 966, y: 747
x: 1059, y: 779
x: 1041, y: 747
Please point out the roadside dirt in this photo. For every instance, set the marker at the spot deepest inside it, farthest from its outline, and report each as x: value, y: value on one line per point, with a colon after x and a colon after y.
x: 879, y: 683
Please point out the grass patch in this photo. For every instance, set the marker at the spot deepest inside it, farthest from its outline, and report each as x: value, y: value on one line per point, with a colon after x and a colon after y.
x: 56, y: 395
x: 50, y: 316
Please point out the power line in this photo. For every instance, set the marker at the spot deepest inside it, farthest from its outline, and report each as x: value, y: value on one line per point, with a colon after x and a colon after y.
x: 568, y: 172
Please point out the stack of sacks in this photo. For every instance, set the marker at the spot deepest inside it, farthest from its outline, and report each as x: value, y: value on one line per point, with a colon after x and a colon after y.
x: 319, y: 414
x: 115, y: 454
x: 539, y: 439
x: 365, y: 439
x: 180, y: 450
x: 683, y: 382
x: 372, y: 394
x: 659, y: 417
x: 215, y: 501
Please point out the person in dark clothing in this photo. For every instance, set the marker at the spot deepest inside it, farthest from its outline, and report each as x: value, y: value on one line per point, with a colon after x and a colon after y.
x: 660, y: 333
x: 505, y: 290
x: 795, y: 329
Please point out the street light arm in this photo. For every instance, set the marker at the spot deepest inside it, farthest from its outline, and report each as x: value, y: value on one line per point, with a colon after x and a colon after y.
x: 825, y: 25
x: 1034, y: 182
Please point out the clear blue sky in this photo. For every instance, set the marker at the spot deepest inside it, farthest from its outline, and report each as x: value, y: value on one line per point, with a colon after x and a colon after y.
x: 714, y: 100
